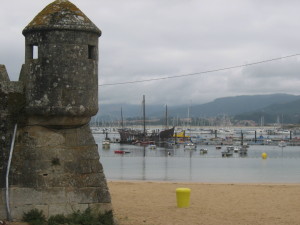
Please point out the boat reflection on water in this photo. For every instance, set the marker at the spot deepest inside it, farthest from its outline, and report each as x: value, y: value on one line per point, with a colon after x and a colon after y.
x: 282, y: 144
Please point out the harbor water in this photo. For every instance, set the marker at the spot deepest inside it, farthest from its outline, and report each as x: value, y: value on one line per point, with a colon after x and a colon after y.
x: 181, y: 165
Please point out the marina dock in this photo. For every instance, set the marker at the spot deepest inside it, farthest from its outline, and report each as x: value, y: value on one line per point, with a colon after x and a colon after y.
x: 223, y: 136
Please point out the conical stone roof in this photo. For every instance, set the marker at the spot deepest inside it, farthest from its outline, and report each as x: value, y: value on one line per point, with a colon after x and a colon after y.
x: 61, y: 15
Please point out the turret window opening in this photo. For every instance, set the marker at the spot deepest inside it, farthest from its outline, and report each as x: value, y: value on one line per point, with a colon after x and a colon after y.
x: 32, y: 51
x: 35, y: 51
x: 92, y: 52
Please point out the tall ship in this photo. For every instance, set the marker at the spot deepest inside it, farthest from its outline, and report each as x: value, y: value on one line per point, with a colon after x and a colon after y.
x: 131, y: 136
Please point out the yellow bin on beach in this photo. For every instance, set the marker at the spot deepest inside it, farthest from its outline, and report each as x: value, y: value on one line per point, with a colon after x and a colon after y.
x: 183, y: 197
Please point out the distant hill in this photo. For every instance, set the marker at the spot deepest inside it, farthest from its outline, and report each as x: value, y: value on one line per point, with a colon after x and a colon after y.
x: 240, y: 106
x: 234, y: 105
x: 288, y: 112
x: 292, y: 107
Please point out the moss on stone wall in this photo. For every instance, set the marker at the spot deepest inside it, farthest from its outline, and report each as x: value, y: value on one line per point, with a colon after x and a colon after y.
x: 61, y: 14
x: 58, y: 8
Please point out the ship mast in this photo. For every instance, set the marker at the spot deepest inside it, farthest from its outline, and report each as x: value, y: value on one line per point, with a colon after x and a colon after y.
x: 144, y: 116
x: 167, y: 125
x: 122, y: 122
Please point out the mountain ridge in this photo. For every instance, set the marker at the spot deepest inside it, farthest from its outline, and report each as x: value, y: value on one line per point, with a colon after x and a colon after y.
x: 231, y: 106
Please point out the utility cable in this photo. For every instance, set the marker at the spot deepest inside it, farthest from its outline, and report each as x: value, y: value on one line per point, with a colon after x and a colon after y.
x: 199, y: 73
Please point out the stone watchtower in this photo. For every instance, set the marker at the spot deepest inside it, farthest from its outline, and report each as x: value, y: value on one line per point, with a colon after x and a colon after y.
x: 55, y: 165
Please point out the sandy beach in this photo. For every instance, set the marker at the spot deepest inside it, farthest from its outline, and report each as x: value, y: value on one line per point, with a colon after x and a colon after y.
x: 154, y: 203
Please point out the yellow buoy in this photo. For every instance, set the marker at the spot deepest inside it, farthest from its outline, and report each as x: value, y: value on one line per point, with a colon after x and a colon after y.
x: 183, y: 197
x: 264, y: 155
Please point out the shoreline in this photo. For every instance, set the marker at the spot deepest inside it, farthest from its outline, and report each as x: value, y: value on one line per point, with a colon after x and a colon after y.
x: 199, y: 182
x: 154, y: 203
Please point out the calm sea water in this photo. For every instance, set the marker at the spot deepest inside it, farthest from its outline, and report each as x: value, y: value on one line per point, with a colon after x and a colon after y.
x: 177, y: 164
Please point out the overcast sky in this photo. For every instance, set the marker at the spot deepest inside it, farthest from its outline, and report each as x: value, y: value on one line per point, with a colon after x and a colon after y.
x: 145, y: 39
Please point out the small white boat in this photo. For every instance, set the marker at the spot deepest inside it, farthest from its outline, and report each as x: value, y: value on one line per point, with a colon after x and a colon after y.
x: 245, y: 145
x: 190, y: 146
x: 106, y: 144
x: 227, y: 153
x: 236, y: 149
x: 152, y: 146
x: 229, y: 148
x: 115, y: 140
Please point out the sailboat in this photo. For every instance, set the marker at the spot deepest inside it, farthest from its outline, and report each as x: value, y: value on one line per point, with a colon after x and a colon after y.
x: 131, y: 136
x: 189, y: 144
x: 127, y: 135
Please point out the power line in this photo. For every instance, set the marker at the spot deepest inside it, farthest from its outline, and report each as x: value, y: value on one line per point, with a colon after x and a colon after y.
x: 199, y: 73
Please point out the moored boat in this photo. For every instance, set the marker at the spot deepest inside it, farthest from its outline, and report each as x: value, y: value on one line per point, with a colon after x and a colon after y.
x: 203, y: 151
x: 121, y: 152
x: 230, y: 148
x: 227, y: 154
x: 243, y: 150
x: 236, y: 149
x: 190, y: 146
x: 106, y: 144
x: 152, y: 145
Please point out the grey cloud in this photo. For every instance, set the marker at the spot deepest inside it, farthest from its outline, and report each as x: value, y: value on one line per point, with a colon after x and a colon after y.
x: 150, y: 39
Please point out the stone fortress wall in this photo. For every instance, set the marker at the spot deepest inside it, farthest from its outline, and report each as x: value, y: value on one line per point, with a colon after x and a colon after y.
x: 55, y: 163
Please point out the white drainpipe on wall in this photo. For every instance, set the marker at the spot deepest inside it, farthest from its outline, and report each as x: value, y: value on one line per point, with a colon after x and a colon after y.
x: 7, y: 172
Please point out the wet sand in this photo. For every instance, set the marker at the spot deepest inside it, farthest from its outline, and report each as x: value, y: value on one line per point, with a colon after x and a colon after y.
x: 154, y: 203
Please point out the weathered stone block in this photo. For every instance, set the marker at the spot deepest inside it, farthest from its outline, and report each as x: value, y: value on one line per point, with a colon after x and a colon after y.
x: 88, y: 195
x: 66, y: 208
x: 56, y: 195
x: 17, y: 212
x: 3, y: 73
x: 21, y: 196
x: 100, y: 208
x: 11, y: 98
x: 83, y: 167
x: 44, y: 137
x: 3, y: 212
